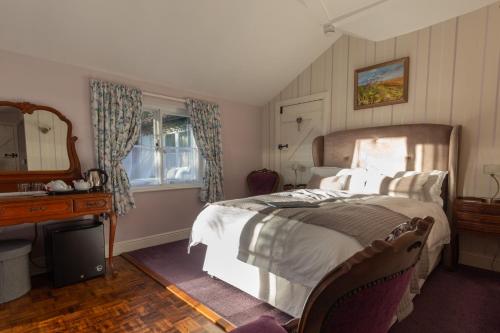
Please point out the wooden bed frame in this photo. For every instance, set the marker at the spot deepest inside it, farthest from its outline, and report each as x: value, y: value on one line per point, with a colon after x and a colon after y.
x: 427, y: 147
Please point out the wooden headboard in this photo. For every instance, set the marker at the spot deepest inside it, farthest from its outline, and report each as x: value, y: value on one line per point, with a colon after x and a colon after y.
x: 419, y: 147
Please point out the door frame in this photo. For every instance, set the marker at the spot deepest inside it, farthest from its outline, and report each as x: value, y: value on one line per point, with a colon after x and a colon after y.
x: 16, y: 142
x: 323, y: 96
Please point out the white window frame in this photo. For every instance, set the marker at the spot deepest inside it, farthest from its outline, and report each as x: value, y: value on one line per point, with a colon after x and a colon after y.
x: 173, y: 110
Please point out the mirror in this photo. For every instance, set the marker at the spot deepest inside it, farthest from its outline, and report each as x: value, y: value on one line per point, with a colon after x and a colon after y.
x: 36, y: 146
x: 36, y: 141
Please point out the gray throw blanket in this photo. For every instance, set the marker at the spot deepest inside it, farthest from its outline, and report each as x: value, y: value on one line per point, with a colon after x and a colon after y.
x: 363, y: 222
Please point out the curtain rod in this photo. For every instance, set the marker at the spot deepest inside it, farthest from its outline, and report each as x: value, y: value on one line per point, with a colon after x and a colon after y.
x: 175, y: 99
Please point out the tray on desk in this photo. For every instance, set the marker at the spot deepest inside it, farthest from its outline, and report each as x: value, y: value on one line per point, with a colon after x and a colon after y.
x: 68, y: 192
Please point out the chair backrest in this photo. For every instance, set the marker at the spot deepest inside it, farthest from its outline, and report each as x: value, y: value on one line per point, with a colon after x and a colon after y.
x: 263, y: 181
x: 363, y: 293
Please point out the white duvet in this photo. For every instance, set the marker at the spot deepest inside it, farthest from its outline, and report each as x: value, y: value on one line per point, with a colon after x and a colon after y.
x: 312, y: 251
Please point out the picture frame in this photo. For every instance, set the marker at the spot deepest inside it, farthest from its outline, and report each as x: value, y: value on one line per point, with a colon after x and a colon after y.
x: 381, y: 84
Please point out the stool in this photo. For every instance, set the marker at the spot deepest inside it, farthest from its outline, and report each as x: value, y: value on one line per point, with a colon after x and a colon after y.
x: 15, y: 279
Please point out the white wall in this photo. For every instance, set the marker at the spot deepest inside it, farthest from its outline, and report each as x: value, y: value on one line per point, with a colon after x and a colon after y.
x: 66, y: 88
x: 454, y: 79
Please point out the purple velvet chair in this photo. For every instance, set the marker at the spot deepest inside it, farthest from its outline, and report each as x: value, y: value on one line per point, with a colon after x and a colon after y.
x: 362, y: 294
x: 263, y: 181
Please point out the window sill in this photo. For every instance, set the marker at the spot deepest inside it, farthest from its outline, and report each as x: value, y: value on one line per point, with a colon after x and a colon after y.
x: 165, y: 187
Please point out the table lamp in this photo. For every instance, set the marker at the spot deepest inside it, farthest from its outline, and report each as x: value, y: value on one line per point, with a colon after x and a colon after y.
x: 493, y: 170
x: 296, y: 167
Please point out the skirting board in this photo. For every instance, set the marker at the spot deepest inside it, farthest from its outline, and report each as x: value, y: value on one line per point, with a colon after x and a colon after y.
x: 148, y: 241
x: 480, y: 261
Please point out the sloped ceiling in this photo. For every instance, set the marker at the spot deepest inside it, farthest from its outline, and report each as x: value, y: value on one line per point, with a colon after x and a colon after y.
x: 241, y: 50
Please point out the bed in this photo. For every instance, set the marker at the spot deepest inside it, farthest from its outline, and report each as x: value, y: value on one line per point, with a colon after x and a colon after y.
x: 303, y: 252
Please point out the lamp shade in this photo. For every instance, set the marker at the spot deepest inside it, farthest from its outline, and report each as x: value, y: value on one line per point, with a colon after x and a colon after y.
x: 491, y: 169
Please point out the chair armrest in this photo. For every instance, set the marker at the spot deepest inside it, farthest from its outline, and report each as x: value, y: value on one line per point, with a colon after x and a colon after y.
x: 292, y: 326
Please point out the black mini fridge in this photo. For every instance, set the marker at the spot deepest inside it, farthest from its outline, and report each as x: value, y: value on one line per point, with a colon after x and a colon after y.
x: 74, y: 251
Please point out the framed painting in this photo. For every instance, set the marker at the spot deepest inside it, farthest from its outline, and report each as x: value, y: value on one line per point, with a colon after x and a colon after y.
x: 381, y: 84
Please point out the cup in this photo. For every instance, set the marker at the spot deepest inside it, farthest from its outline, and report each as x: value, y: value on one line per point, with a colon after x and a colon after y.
x: 38, y: 187
x: 23, y: 187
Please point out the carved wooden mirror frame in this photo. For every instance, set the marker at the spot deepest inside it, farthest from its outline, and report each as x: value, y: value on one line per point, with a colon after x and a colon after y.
x: 10, y: 179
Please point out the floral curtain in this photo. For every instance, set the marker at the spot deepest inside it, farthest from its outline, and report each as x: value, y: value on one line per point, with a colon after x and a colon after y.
x: 205, y: 119
x: 116, y: 114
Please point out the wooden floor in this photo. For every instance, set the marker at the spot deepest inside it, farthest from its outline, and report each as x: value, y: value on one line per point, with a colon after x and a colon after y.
x: 130, y: 301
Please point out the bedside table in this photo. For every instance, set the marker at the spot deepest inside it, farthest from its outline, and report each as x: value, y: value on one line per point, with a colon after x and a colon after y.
x: 473, y: 214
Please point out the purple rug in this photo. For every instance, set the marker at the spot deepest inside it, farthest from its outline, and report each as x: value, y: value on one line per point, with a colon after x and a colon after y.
x: 467, y: 300
x: 185, y: 271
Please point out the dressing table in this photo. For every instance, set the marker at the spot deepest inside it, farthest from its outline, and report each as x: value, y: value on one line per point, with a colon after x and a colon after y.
x: 37, y: 146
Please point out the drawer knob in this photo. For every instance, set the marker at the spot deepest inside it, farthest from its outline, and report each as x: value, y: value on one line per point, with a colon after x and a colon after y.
x: 91, y: 204
x: 38, y: 209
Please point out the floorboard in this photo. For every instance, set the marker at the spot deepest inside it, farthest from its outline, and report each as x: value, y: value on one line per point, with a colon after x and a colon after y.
x: 129, y: 301
x: 195, y: 304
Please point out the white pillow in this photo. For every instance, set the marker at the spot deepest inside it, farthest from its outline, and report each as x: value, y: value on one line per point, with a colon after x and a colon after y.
x: 357, y: 179
x: 407, y: 186
x: 375, y: 182
x: 324, y: 171
x: 332, y: 183
x: 318, y: 173
x: 432, y: 188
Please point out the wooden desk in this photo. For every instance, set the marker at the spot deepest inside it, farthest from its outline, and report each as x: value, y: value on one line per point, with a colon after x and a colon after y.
x: 35, y: 209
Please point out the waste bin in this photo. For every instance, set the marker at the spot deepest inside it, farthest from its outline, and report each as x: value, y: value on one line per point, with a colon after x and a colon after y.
x: 15, y: 279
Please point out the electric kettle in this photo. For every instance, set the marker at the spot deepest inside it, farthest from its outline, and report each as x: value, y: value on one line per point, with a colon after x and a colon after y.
x: 97, y: 178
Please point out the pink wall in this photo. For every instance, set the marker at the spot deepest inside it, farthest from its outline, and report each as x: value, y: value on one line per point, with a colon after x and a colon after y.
x: 65, y: 88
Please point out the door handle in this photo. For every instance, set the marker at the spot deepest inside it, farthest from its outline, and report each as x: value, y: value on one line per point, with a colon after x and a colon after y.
x: 282, y: 146
x: 11, y: 155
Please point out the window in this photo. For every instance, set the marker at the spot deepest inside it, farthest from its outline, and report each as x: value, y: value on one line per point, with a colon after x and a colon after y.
x: 165, y: 154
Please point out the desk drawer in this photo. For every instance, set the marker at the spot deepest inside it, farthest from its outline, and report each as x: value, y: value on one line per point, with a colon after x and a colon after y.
x: 92, y: 204
x: 36, y: 209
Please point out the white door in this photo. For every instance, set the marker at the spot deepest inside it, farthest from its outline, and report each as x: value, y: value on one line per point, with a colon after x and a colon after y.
x: 296, y: 128
x: 9, y: 154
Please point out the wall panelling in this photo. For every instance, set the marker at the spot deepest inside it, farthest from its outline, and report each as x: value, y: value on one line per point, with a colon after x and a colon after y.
x: 454, y: 79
